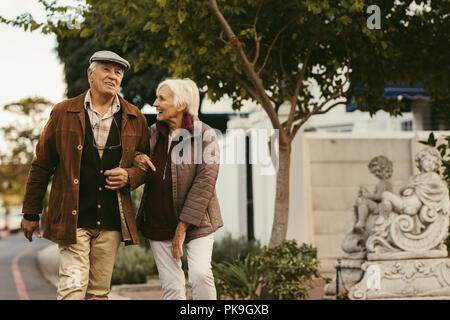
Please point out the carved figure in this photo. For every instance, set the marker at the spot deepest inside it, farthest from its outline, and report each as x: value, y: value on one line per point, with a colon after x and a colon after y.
x: 424, y: 200
x: 367, y: 202
x: 365, y: 212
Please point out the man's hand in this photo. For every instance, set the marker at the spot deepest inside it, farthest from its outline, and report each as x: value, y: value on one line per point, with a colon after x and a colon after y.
x: 116, y: 178
x: 143, y: 162
x: 30, y: 227
x: 178, y: 240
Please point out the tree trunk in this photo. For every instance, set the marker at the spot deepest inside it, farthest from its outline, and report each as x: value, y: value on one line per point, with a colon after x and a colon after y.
x: 281, y: 215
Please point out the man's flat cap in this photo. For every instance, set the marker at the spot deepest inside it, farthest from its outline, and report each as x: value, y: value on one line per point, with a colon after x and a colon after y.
x: 110, y: 56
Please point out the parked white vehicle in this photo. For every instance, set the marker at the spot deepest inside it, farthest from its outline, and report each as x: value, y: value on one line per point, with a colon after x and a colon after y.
x: 10, y: 218
x: 14, y: 218
x: 3, y: 224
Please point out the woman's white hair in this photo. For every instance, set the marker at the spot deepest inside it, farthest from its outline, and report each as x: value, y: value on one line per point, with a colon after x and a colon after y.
x: 185, y: 91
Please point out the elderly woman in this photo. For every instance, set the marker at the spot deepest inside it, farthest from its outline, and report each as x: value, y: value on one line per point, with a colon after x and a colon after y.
x: 179, y: 204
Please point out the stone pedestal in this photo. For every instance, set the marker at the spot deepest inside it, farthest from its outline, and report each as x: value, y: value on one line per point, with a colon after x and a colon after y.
x: 404, y: 279
x: 350, y: 274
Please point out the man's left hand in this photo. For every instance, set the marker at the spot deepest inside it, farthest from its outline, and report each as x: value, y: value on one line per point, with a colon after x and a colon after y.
x: 178, y: 240
x: 116, y: 178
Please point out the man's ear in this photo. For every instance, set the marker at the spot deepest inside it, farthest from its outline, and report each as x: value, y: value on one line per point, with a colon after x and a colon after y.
x: 89, y: 73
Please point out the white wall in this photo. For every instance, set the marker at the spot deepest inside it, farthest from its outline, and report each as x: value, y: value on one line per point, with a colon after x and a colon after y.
x: 232, y: 194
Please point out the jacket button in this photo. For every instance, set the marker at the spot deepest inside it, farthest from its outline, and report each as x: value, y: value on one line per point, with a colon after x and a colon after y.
x: 75, y: 181
x: 74, y: 212
x: 80, y: 147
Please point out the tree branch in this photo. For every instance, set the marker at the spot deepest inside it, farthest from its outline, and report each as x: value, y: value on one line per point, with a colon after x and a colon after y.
x: 246, y: 86
x: 330, y: 107
x: 297, y: 90
x: 257, y: 39
x: 271, y: 46
x: 223, y: 40
x: 317, y: 110
x: 288, y: 78
x: 249, y: 70
x: 299, y: 125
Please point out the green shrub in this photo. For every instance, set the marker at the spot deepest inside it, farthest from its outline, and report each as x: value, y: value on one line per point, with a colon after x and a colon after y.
x: 283, y: 270
x: 229, y: 249
x: 286, y: 269
x: 133, y: 265
x: 237, y: 280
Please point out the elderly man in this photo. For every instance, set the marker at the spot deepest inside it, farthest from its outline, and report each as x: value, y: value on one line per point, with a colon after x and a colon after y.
x: 88, y: 145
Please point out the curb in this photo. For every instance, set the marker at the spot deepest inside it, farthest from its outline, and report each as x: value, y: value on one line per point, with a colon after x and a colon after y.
x: 152, y: 284
x: 48, y: 262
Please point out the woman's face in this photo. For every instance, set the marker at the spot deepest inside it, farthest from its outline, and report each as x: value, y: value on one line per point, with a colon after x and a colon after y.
x: 164, y: 105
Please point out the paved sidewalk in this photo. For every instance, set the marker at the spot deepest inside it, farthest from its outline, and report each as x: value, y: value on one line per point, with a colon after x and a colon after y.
x: 48, y: 261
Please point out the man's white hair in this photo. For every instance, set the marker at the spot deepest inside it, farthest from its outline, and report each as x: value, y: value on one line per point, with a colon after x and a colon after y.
x: 93, y: 65
x: 185, y: 91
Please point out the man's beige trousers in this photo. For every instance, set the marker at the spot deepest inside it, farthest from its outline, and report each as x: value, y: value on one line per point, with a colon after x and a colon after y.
x: 171, y: 275
x: 85, y: 268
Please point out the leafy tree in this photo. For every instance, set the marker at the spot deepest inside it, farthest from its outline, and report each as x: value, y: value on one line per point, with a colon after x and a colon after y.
x: 309, y: 55
x: 440, y: 113
x: 21, y: 138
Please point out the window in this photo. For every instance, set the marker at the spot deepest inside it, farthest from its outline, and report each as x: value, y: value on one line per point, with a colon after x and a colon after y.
x: 407, y: 125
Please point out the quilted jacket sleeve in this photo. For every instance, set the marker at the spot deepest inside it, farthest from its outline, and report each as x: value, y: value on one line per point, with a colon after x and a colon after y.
x: 203, y: 186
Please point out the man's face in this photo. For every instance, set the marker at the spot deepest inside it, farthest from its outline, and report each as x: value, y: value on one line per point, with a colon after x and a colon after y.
x: 106, y: 78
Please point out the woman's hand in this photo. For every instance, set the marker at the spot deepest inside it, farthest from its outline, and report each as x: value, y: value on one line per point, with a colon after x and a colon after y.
x: 142, y: 161
x: 178, y: 240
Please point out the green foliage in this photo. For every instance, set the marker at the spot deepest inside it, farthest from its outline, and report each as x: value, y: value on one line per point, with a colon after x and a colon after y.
x: 185, y: 38
x: 285, y: 270
x: 440, y: 113
x: 287, y: 267
x: 237, y: 280
x: 229, y: 249
x: 133, y: 265
x: 444, y: 150
x: 21, y: 138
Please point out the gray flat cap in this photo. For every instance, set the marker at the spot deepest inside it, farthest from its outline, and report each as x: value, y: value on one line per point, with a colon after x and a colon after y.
x: 110, y: 56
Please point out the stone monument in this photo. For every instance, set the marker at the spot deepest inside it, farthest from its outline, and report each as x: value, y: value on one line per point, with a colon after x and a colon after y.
x: 407, y: 257
x: 365, y: 211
